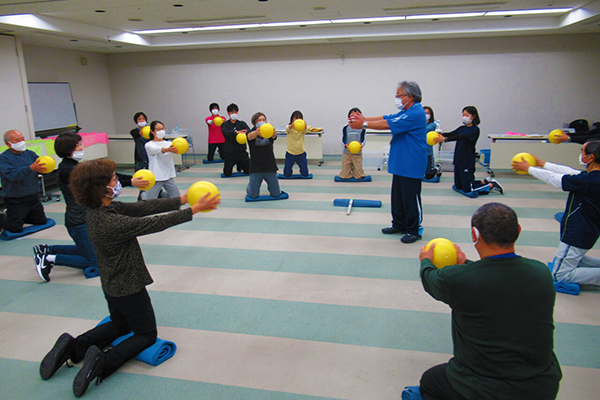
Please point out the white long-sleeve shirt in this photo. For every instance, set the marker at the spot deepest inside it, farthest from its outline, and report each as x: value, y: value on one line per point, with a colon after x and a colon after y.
x: 552, y: 173
x: 161, y: 164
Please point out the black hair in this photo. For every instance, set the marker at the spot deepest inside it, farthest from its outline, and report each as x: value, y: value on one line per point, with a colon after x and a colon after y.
x: 137, y: 115
x: 153, y: 127
x: 593, y: 147
x: 497, y: 224
x: 213, y: 105
x: 232, y: 107
x: 65, y: 144
x: 296, y: 115
x: 430, y: 113
x: 473, y: 111
x: 355, y: 109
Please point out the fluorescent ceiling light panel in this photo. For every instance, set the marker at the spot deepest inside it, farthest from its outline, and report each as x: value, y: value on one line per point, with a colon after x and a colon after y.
x: 529, y: 12
x: 294, y: 23
x: 440, y: 16
x: 363, y: 20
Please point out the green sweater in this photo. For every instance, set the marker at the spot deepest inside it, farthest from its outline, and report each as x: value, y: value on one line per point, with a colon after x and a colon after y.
x: 502, y: 327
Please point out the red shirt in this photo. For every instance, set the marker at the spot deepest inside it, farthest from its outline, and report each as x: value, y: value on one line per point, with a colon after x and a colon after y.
x: 214, y: 132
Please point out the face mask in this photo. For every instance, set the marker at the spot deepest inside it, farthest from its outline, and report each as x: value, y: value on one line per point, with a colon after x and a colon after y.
x: 399, y: 104
x: 215, y: 112
x: 233, y: 117
x: 142, y: 124
x: 428, y: 117
x: 260, y: 124
x: 116, y: 191
x: 161, y: 134
x: 19, y: 146
x: 77, y: 155
x: 466, y: 120
x: 581, y: 161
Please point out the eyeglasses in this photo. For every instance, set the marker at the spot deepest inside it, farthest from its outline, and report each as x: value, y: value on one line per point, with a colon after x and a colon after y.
x: 401, y: 96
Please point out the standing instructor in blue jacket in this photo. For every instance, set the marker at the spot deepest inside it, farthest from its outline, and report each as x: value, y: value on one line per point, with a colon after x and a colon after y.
x: 408, y: 158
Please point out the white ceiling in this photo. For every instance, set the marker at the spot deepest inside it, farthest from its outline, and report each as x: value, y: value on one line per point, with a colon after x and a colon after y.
x: 76, y: 25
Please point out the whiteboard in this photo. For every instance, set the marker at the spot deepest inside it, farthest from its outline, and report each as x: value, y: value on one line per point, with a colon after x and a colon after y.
x: 52, y: 105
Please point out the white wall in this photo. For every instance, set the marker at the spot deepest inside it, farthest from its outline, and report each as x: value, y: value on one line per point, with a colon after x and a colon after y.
x: 90, y: 84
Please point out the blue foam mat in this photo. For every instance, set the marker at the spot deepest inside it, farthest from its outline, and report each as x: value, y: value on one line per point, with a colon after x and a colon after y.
x: 558, y: 216
x: 154, y: 355
x: 295, y: 176
x: 561, y: 287
x: 233, y: 175
x: 412, y: 393
x: 282, y: 196
x: 357, y: 203
x: 214, y: 161
x: 91, y: 272
x: 365, y: 179
x: 472, y: 195
x: 435, y: 179
x: 27, y: 230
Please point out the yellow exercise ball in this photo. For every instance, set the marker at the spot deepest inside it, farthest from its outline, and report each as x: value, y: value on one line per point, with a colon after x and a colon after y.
x: 266, y: 130
x: 181, y: 145
x: 241, y: 138
x: 519, y: 157
x: 299, y: 125
x: 146, y: 175
x: 145, y: 132
x: 49, y: 163
x: 354, y: 147
x: 552, y: 136
x: 218, y: 121
x: 444, y: 252
x: 198, y: 190
x: 430, y: 136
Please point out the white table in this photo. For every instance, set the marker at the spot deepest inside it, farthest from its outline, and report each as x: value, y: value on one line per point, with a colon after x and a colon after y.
x: 313, y: 144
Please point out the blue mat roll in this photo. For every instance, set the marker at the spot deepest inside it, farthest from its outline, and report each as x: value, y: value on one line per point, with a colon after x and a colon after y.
x: 357, y: 203
x: 365, y: 179
x: 561, y: 287
x: 472, y: 195
x: 91, y: 272
x: 294, y: 176
x: 27, y: 230
x: 435, y: 179
x: 282, y: 196
x: 214, y: 161
x: 559, y: 216
x: 412, y: 393
x: 154, y: 355
x: 233, y: 175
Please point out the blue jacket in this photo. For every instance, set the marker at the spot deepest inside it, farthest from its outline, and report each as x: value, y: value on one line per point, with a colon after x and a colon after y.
x: 18, y: 180
x: 408, y: 148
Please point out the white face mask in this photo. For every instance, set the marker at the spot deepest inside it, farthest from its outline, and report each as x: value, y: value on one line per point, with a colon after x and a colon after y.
x: 142, y: 124
x: 233, y: 116
x: 161, y: 134
x: 19, y: 146
x: 428, y: 117
x: 77, y: 155
x: 215, y: 112
x: 581, y: 161
x: 466, y: 120
x: 399, y: 104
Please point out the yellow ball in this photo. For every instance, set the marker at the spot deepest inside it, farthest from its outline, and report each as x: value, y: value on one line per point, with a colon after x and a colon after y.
x: 266, y: 130
x: 299, y: 125
x: 528, y: 157
x: 49, y: 162
x: 241, y: 138
x: 145, y: 132
x: 198, y: 190
x: 181, y: 144
x: 218, y: 121
x: 552, y: 136
x: 444, y: 252
x: 146, y: 175
x: 430, y: 136
x: 354, y: 147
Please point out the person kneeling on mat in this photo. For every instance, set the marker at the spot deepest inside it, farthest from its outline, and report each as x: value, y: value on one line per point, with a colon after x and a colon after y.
x: 113, y: 228
x: 502, y: 317
x: 262, y: 160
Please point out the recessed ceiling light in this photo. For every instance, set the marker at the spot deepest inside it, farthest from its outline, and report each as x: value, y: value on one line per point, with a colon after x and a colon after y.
x: 118, y: 46
x: 177, y: 5
x: 319, y: 8
x: 134, y: 19
x: 263, y: 0
x: 100, y: 11
x: 74, y: 40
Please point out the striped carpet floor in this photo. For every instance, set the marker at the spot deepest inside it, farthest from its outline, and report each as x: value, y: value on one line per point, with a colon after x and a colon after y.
x: 288, y: 299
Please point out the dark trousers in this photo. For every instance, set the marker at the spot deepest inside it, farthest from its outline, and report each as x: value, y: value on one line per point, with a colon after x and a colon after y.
x: 406, y: 204
x: 22, y: 210
x: 464, y: 179
x: 211, y: 150
x: 239, y: 158
x: 299, y: 159
x: 82, y: 255
x: 436, y: 386
x: 127, y: 313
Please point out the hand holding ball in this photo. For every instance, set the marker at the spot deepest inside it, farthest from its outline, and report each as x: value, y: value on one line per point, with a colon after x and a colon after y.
x: 181, y: 145
x: 519, y: 158
x: 241, y: 138
x: 146, y: 175
x: 198, y: 190
x: 431, y: 136
x: 299, y: 125
x: 49, y: 163
x: 554, y: 135
x: 354, y: 147
x: 444, y: 252
x: 218, y: 121
x: 145, y: 132
x: 266, y: 130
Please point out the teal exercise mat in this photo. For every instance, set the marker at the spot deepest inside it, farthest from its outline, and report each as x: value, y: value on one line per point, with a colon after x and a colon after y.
x: 295, y: 176
x: 27, y: 230
x: 282, y: 196
x: 365, y: 179
x: 357, y: 203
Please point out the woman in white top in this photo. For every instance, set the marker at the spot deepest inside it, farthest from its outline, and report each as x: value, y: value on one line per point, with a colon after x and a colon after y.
x: 160, y: 162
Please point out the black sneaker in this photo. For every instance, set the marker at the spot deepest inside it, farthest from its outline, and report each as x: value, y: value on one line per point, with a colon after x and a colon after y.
x: 93, y: 366
x: 41, y: 249
x: 390, y: 230
x: 496, y: 186
x: 56, y: 357
x: 42, y: 266
x: 410, y: 238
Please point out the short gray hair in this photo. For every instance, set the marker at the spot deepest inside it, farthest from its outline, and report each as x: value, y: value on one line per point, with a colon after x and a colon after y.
x: 7, y: 135
x: 411, y: 88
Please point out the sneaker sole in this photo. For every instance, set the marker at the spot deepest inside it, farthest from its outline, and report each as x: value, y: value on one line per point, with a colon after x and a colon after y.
x: 82, y: 380
x: 56, y: 357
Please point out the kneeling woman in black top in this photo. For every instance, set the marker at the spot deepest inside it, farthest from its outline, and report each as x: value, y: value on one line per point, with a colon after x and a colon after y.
x: 113, y: 228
